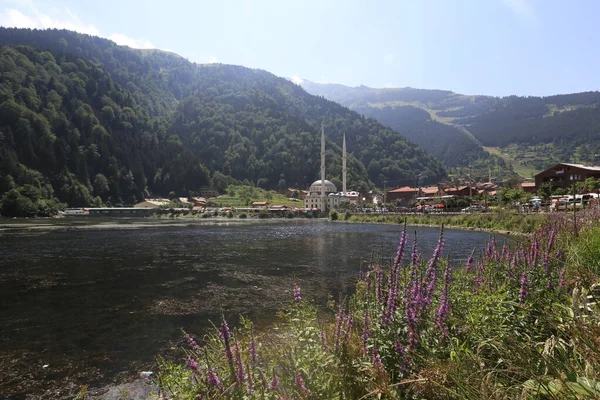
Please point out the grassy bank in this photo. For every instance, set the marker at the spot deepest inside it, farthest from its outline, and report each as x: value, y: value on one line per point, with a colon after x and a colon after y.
x: 512, y: 323
x: 497, y: 221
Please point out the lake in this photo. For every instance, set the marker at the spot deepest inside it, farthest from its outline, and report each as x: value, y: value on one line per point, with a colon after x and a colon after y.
x: 94, y: 302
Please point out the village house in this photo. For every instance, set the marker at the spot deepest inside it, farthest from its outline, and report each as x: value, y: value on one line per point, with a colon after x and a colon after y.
x: 458, y: 191
x: 528, y: 187
x: 404, y: 195
x: 208, y: 192
x: 152, y: 203
x: 565, y: 175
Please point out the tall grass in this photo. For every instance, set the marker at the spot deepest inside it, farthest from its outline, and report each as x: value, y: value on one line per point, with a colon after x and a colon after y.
x: 504, y: 221
x: 519, y: 322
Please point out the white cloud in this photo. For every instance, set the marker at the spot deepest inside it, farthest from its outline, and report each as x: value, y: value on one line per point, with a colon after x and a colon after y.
x: 124, y: 40
x: 388, y: 58
x: 522, y: 8
x: 12, y: 18
x: 29, y: 16
x: 212, y: 60
x: 297, y: 80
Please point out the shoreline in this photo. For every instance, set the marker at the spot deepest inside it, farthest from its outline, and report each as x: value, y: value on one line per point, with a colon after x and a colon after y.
x: 453, y: 227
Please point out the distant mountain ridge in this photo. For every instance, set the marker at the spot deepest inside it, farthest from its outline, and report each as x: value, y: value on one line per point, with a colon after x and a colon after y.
x: 458, y: 129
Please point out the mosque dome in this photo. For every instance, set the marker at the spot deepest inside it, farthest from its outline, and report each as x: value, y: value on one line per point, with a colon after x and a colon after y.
x: 329, y: 186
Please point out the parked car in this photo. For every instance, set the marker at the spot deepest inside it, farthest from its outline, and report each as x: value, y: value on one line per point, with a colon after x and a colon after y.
x: 473, y: 208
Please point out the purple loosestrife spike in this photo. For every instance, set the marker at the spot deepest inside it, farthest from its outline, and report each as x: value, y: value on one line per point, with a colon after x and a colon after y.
x: 252, y: 352
x: 523, y: 290
x: 300, y: 386
x: 398, y: 258
x: 192, y: 364
x: 226, y: 336
x: 338, y: 327
x: 444, y: 309
x: 431, y: 273
x: 361, y: 275
x: 561, y: 278
x: 379, y: 284
x: 470, y: 261
x: 551, y: 240
x: 348, y: 328
x: 274, y: 384
x: 250, y: 389
x: 323, y: 336
x: 192, y: 342
x: 213, y: 379
x: 376, y: 358
x: 366, y: 333
x: 240, y: 373
x: 297, y: 294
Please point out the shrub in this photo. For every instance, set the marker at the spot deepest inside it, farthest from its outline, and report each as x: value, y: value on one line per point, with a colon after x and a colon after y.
x: 243, y: 215
x: 333, y: 215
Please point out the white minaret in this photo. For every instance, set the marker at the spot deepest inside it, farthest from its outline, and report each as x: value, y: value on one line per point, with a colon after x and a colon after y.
x: 344, y: 193
x: 323, y: 198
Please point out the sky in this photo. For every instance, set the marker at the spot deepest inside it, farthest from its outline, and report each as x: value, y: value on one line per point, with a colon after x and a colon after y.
x: 491, y: 47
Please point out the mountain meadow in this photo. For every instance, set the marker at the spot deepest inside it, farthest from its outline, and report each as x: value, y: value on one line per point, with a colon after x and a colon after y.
x: 87, y: 122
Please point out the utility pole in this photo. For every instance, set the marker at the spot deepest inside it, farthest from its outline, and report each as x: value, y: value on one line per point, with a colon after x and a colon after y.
x: 384, y: 191
x: 574, y: 210
x: 470, y: 183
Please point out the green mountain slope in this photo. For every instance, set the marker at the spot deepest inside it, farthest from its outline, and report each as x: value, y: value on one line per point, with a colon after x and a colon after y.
x: 82, y: 118
x: 527, y: 133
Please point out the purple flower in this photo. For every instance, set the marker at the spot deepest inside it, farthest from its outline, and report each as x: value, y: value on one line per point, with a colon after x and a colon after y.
x: 444, y: 309
x: 366, y: 333
x: 431, y: 274
x: 323, y: 336
x: 300, y: 386
x: 192, y: 364
x: 225, y: 336
x: 297, y: 294
x: 274, y: 384
x: 561, y: 278
x: 523, y: 290
x: 376, y: 358
x: 213, y: 379
x: 240, y: 372
x: 379, y: 284
x: 250, y: 383
x: 348, y: 329
x: 192, y: 342
x: 551, y: 240
x: 469, y: 261
x: 252, y: 351
x: 338, y: 327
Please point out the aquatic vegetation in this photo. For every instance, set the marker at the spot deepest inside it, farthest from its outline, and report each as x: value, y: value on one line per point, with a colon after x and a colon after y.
x: 517, y: 321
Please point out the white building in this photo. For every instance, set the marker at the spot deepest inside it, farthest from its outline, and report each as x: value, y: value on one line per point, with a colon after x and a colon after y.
x: 322, y: 194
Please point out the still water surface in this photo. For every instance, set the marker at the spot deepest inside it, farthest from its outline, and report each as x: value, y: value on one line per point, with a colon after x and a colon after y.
x: 97, y: 302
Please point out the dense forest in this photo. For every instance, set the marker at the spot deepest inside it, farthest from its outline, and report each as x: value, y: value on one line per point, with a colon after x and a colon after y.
x: 455, y: 128
x: 84, y: 121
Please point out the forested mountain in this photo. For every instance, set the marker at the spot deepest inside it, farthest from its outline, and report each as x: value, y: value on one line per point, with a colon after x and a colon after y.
x: 532, y: 132
x: 86, y: 121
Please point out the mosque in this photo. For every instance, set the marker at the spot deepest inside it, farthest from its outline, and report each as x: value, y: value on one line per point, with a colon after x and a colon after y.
x: 323, y: 194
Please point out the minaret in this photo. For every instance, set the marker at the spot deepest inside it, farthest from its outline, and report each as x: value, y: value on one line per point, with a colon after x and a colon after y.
x: 344, y: 167
x: 323, y: 199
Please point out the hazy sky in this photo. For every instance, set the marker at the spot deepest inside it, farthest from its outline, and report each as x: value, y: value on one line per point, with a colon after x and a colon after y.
x: 495, y: 47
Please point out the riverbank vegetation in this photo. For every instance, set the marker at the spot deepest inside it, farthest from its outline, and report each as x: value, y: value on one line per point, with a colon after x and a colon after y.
x: 493, y: 221
x: 518, y: 322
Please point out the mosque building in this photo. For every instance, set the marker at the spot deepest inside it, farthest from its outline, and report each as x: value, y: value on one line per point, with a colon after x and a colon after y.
x: 323, y: 194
